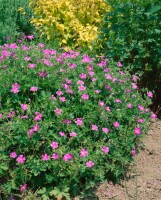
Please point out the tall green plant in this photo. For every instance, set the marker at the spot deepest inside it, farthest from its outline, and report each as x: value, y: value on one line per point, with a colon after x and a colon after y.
x: 14, y: 18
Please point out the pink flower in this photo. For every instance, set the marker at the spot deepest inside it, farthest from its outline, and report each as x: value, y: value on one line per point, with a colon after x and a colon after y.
x: 116, y: 124
x: 1, y: 116
x: 79, y: 121
x: 15, y: 88
x: 62, y: 134
x: 31, y: 37
x: 33, y: 89
x: 54, y: 145
x: 105, y: 130
x: 83, y: 76
x: 105, y: 149
x: 137, y: 131
x: 85, y: 96
x: 83, y: 153
x: 135, y: 78
x: 101, y: 103
x: 89, y: 164
x: 23, y: 187
x: 129, y: 105
x: 140, y: 120
x: 36, y: 128
x: 67, y: 157
x: 72, y: 65
x: 32, y: 66
x: 82, y: 88
x: 150, y: 94
x: 38, y: 116
x: 133, y: 152
x: 52, y: 97
x: 55, y: 156
x: 134, y: 86
x: 91, y: 73
x: 108, y: 109
x: 11, y: 114
x: 58, y: 111
x: 86, y: 59
x: 27, y: 58
x: 21, y: 159
x: 108, y: 76
x: 24, y: 106
x: 153, y: 116
x: 13, y: 155
x: 141, y: 108
x: 119, y: 64
x: 97, y: 91
x: 106, y: 70
x: 79, y: 82
x: 118, y: 101
x: 59, y: 93
x: 45, y: 157
x: 72, y: 134
x: 62, y: 99
x: 94, y: 127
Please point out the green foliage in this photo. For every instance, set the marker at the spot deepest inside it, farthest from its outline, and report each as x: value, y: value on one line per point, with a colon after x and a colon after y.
x: 92, y: 120
x: 12, y: 21
x: 131, y: 33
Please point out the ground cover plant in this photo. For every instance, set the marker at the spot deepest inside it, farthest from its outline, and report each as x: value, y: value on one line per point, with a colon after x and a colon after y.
x: 131, y: 33
x: 67, y: 121
x: 71, y: 23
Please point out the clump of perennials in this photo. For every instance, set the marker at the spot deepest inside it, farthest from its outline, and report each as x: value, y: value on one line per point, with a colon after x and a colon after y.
x: 66, y: 119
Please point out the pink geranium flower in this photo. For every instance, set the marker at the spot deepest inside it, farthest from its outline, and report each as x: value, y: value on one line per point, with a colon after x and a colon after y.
x: 137, y: 131
x: 116, y: 124
x: 83, y: 153
x: 38, y: 116
x: 15, y: 88
x: 13, y: 155
x: 54, y: 145
x: 82, y: 88
x: 90, y: 164
x: 83, y: 76
x: 150, y: 94
x: 59, y: 93
x: 58, y: 111
x: 33, y: 89
x: 45, y: 157
x: 55, y: 156
x: 23, y: 187
x: 24, y: 106
x: 21, y: 159
x: 85, y: 96
x: 105, y: 130
x: 79, y: 121
x: 73, y: 134
x: 105, y: 149
x: 62, y: 134
x: 67, y: 157
x: 94, y: 127
x: 1, y: 116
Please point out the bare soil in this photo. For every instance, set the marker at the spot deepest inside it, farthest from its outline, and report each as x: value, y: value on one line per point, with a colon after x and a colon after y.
x: 143, y: 182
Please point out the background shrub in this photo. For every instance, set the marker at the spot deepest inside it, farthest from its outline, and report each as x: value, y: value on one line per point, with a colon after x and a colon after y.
x: 131, y: 33
x: 14, y: 19
x: 72, y: 23
x: 69, y: 121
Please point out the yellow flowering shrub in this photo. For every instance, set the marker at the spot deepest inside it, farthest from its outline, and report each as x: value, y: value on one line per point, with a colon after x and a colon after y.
x: 72, y: 23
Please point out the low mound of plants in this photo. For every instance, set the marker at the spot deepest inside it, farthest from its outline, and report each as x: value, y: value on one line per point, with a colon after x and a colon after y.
x: 67, y: 121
